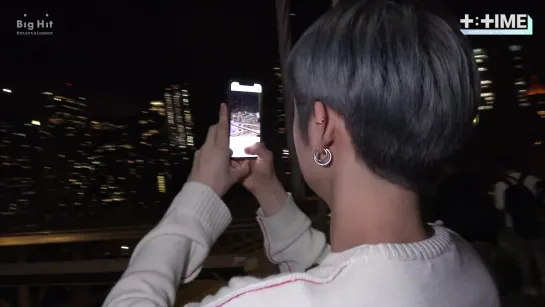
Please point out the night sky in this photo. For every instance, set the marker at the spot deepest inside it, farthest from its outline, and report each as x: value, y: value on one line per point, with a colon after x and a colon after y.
x: 124, y: 55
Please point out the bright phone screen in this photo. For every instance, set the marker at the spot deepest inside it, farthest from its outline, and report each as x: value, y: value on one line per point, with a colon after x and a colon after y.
x: 245, y: 127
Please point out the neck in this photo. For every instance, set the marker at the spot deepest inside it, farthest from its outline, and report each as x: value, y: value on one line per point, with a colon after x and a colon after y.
x: 366, y: 209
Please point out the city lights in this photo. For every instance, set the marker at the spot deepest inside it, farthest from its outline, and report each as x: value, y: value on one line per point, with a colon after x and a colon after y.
x: 179, y: 119
x: 476, y: 120
x: 35, y: 122
x: 161, y: 184
x: 487, y: 95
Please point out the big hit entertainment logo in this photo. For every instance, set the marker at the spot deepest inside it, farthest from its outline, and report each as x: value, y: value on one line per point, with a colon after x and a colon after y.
x: 35, y: 27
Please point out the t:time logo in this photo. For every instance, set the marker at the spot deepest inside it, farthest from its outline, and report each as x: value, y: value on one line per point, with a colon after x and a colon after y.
x: 497, y: 24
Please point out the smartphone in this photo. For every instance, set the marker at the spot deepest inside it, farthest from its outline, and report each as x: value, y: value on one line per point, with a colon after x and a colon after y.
x: 244, y: 102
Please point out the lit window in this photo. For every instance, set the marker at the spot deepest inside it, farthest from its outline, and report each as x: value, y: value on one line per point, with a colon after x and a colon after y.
x: 161, y: 184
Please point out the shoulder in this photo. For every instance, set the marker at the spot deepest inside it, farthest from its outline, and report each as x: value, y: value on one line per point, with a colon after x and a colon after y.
x: 500, y: 184
x: 279, y: 290
x: 532, y: 179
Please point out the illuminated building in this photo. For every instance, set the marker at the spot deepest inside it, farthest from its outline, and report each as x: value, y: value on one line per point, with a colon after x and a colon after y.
x: 519, y: 78
x: 179, y: 120
x: 19, y: 164
x: 150, y: 125
x: 154, y: 168
x: 284, y: 164
x: 67, y: 170
x: 487, y: 94
x: 114, y: 162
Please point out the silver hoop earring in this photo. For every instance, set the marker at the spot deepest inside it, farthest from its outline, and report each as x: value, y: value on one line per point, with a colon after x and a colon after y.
x: 326, y: 160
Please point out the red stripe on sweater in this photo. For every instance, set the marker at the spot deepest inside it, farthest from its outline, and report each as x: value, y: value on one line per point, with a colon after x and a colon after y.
x: 281, y: 284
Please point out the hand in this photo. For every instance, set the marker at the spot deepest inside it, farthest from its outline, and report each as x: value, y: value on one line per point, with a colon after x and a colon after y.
x: 212, y: 164
x: 262, y: 181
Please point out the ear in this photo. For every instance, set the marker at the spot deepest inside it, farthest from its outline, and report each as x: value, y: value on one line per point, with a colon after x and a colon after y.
x: 324, y: 126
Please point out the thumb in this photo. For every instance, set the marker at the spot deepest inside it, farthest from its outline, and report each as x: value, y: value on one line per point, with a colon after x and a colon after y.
x: 239, y: 170
x: 260, y: 150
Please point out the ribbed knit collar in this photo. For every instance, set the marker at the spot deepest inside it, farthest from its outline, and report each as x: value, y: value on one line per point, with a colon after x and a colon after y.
x: 430, y: 248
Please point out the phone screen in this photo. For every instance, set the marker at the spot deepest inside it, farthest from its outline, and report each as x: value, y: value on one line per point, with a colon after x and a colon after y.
x: 245, y: 124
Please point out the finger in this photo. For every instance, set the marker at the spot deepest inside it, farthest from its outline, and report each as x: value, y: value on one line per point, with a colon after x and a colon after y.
x: 239, y: 170
x: 222, y: 134
x: 247, y: 164
x: 259, y: 150
x: 196, y: 157
x: 224, y: 116
x: 211, y: 135
x: 197, y: 154
x: 235, y: 164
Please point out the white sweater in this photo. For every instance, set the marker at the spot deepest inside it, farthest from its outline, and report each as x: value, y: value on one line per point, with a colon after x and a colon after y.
x: 441, y: 271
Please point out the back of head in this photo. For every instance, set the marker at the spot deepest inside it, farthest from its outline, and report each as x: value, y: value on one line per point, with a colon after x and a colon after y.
x: 402, y: 78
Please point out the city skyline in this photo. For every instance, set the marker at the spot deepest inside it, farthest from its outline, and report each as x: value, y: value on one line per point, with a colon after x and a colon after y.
x: 64, y: 165
x: 161, y: 122
x: 126, y: 58
x: 100, y: 119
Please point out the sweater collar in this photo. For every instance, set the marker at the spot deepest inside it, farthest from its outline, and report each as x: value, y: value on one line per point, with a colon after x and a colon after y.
x: 430, y: 248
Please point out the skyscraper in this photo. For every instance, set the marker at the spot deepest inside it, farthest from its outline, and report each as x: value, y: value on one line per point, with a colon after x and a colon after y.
x: 519, y: 77
x: 154, y: 168
x: 19, y: 153
x: 179, y: 120
x: 284, y: 164
x: 66, y: 137
x: 487, y: 94
x: 113, y: 162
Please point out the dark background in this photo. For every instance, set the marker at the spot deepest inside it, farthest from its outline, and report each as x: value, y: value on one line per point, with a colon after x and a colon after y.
x: 125, y: 53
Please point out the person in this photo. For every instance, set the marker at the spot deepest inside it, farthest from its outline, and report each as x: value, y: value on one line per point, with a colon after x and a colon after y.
x: 464, y: 206
x: 384, y: 91
x: 516, y: 196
